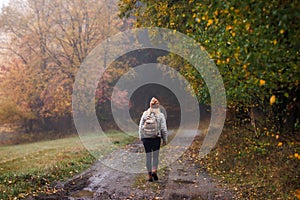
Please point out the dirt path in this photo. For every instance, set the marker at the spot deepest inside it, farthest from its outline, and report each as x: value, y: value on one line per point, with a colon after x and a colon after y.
x: 185, y: 179
x: 188, y: 179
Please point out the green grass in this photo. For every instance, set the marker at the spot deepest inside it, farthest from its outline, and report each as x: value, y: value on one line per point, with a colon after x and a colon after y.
x: 30, y: 168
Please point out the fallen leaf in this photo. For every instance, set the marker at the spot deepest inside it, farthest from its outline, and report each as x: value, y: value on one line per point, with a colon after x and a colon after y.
x: 272, y: 99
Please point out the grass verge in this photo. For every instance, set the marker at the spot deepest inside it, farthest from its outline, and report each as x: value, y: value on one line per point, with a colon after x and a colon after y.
x: 259, y: 167
x: 32, y: 168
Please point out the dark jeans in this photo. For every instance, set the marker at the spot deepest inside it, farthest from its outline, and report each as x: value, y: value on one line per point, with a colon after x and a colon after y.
x: 152, y: 146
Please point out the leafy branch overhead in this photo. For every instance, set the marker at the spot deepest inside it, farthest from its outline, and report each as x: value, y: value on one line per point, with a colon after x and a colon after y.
x: 254, y: 44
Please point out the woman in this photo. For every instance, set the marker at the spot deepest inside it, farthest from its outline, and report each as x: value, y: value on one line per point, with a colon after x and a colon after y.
x: 152, y: 141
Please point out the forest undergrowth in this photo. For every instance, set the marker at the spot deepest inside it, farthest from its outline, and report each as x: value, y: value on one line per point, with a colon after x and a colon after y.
x: 258, y: 166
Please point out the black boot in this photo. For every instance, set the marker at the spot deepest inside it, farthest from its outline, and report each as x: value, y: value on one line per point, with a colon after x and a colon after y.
x: 150, y: 179
x: 154, y: 175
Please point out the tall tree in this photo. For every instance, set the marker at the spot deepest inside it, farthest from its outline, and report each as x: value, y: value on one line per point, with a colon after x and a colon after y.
x: 47, y: 41
x: 255, y: 45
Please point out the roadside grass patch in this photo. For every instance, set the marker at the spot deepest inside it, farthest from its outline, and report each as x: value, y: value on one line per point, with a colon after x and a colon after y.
x: 258, y: 167
x: 30, y: 169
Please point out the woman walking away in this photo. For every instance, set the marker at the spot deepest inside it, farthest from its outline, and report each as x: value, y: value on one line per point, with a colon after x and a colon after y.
x: 153, y: 129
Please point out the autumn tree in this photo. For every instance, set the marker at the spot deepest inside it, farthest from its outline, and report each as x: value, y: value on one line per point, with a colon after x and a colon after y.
x: 254, y: 44
x: 45, y: 43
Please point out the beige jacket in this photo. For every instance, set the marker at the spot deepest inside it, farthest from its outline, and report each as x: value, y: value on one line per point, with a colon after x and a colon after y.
x: 162, y: 125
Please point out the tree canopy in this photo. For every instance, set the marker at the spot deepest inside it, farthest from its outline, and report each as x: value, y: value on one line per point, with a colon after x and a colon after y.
x: 255, y: 45
x: 43, y: 43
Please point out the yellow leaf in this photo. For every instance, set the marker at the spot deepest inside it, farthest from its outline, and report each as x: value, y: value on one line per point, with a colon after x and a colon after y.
x: 210, y: 21
x: 233, y: 34
x: 247, y: 26
x: 282, y: 31
x: 297, y: 193
x: 279, y: 144
x: 228, y: 28
x: 21, y: 195
x: 272, y: 99
x: 296, y: 155
x: 198, y: 20
x: 262, y: 82
x: 275, y: 42
x: 227, y: 60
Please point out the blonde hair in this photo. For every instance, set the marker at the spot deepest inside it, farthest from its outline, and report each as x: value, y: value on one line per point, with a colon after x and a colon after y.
x: 155, y: 110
